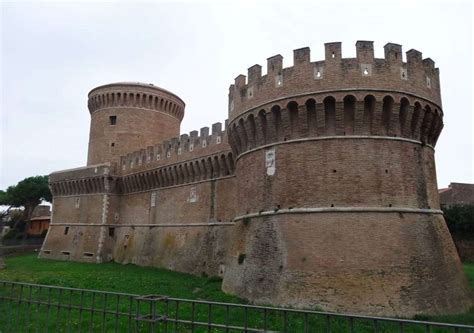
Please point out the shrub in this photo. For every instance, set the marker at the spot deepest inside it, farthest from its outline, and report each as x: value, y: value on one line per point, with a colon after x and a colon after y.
x: 460, y: 219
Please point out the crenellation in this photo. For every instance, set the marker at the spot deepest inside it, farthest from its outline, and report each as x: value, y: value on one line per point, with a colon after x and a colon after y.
x: 217, y: 129
x: 301, y: 56
x: 365, y: 51
x: 240, y: 81
x: 429, y: 65
x: 176, y: 149
x: 332, y: 74
x: 333, y: 52
x: 393, y: 54
x: 274, y: 65
x: 413, y: 57
x: 204, y: 132
x: 254, y: 73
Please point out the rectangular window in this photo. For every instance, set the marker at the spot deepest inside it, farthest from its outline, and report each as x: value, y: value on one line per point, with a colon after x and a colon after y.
x: 66, y: 230
x: 113, y: 120
x: 111, y: 232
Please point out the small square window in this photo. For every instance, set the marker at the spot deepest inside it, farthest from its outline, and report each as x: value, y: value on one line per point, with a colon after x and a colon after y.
x: 113, y: 120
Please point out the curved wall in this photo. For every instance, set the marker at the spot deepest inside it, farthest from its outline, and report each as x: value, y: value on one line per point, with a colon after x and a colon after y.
x: 130, y: 116
x: 387, y: 264
x: 338, y: 201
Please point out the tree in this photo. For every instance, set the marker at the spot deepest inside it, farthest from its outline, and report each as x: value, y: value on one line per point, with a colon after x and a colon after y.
x: 28, y: 193
x: 460, y: 219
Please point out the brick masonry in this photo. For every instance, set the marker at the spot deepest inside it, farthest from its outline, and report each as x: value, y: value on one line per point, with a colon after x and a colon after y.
x: 320, y: 190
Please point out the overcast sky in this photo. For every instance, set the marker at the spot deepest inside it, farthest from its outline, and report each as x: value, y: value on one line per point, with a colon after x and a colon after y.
x: 53, y: 54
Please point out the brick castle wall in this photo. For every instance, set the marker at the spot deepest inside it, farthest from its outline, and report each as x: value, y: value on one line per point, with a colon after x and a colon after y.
x: 320, y: 190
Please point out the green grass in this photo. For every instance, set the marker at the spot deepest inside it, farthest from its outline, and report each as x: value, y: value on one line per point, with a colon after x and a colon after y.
x: 144, y: 281
x: 113, y: 277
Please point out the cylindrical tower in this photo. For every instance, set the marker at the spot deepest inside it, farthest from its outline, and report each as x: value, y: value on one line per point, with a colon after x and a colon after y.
x: 338, y: 202
x: 130, y: 116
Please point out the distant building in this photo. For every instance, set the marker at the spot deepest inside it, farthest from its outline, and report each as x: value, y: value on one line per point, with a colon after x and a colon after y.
x: 39, y: 222
x: 457, y: 194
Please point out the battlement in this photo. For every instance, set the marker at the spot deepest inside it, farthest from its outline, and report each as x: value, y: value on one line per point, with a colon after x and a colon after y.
x: 92, y: 179
x: 416, y: 76
x: 136, y: 95
x: 185, y: 147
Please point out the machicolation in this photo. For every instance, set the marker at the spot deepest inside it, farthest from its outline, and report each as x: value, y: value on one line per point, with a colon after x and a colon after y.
x: 319, y: 190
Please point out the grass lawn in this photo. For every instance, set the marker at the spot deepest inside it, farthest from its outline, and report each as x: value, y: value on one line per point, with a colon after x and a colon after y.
x: 113, y: 277
x: 144, y: 280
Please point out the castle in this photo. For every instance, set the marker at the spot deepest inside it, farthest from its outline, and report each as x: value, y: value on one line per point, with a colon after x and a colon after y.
x: 320, y: 190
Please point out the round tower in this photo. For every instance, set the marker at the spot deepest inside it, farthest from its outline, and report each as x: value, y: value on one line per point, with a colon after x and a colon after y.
x: 129, y: 116
x: 338, y: 200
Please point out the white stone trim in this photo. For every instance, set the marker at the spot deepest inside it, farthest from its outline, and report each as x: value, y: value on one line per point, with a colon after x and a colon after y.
x: 341, y: 210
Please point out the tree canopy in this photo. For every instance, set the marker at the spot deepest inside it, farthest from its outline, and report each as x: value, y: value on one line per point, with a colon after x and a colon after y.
x: 28, y: 193
x: 460, y: 219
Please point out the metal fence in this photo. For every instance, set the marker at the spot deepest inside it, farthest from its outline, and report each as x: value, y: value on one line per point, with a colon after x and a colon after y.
x: 40, y: 308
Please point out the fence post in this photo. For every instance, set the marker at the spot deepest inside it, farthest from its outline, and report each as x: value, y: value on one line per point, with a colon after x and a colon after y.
x: 151, y: 315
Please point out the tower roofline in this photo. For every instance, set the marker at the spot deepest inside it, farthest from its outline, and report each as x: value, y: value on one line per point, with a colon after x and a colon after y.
x: 134, y: 84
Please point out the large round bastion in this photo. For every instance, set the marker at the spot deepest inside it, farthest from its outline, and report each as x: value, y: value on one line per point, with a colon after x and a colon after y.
x: 338, y: 200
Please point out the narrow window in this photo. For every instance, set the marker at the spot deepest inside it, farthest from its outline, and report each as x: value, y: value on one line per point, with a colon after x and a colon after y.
x: 66, y: 230
x: 113, y: 120
x: 111, y: 232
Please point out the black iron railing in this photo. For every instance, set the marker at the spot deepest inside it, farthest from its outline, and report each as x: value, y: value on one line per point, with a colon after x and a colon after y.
x: 28, y: 307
